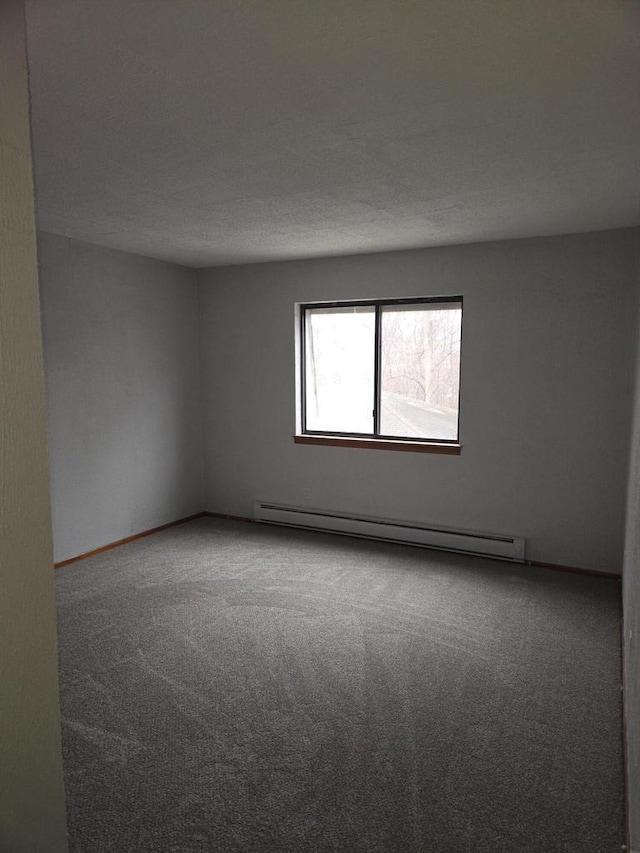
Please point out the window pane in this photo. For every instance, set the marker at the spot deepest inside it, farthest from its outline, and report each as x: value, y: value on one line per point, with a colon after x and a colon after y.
x: 339, y: 365
x: 420, y: 371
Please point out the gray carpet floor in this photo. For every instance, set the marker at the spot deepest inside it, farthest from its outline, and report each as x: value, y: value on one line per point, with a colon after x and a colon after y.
x: 235, y: 687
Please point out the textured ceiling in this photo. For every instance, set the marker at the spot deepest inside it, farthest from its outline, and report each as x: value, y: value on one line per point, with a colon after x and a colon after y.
x: 227, y: 131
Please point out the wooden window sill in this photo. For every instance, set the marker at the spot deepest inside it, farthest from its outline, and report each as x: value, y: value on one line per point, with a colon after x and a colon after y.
x: 380, y: 444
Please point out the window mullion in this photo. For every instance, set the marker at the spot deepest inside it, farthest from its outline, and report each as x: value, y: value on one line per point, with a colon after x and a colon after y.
x: 376, y: 372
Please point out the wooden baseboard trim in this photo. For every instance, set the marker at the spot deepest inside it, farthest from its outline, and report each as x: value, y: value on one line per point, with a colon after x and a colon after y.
x: 228, y: 517
x: 573, y: 570
x: 127, y: 539
x: 558, y: 567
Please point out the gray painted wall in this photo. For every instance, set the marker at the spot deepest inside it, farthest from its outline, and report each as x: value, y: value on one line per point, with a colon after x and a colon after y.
x: 32, y: 806
x: 546, y: 379
x: 123, y: 392
x: 631, y: 602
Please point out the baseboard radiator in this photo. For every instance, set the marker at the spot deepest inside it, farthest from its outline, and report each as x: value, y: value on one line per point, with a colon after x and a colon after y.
x: 445, y: 539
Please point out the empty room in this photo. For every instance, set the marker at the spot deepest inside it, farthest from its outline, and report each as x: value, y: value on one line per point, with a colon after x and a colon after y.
x: 320, y: 409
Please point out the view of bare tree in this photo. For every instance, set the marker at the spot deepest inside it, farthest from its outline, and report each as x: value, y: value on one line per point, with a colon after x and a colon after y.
x: 421, y: 354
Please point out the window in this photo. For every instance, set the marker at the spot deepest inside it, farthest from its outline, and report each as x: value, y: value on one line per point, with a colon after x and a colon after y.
x: 384, y: 371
